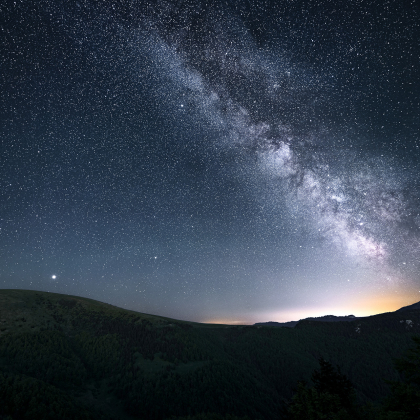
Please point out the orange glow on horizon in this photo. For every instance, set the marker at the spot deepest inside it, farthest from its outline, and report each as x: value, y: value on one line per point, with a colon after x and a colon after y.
x: 359, y: 307
x: 381, y: 304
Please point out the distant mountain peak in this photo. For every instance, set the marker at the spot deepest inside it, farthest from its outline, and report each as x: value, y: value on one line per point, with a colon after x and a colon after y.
x: 329, y: 318
x: 325, y: 318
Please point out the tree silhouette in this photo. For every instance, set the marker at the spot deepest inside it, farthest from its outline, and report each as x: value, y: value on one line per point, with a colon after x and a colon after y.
x: 331, y: 380
x: 332, y: 396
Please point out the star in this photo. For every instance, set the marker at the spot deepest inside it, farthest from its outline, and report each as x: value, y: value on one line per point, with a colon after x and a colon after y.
x: 238, y: 157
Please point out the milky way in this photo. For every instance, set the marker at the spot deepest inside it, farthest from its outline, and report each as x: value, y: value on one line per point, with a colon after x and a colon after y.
x: 214, y: 162
x: 360, y: 205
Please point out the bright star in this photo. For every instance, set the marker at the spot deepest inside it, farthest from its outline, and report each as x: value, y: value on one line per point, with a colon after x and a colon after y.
x: 53, y: 276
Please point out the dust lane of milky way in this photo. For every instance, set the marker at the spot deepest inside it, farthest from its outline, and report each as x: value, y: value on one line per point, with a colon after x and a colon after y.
x: 215, y: 162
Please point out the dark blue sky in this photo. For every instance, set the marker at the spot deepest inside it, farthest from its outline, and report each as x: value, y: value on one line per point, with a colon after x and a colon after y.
x: 212, y: 161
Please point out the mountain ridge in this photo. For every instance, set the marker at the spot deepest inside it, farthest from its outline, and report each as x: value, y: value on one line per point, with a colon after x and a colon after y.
x: 331, y: 318
x: 325, y: 318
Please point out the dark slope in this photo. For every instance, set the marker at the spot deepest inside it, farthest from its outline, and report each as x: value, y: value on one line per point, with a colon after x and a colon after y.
x: 415, y: 306
x: 99, y: 361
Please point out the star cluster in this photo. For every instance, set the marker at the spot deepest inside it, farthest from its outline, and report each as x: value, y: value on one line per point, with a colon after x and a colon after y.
x: 212, y: 161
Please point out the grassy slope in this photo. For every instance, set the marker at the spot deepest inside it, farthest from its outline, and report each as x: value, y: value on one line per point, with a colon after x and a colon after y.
x: 133, y: 365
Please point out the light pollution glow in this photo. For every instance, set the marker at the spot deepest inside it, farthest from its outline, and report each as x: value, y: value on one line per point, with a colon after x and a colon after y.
x: 359, y: 307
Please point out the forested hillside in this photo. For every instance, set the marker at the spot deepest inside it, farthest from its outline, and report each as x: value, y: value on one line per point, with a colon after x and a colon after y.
x: 71, y: 357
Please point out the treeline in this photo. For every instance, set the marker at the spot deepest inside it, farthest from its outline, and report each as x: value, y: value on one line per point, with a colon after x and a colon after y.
x: 164, y: 369
x: 283, y: 356
x: 46, y: 356
x: 26, y: 398
x: 333, y: 396
x: 217, y: 387
x: 218, y: 390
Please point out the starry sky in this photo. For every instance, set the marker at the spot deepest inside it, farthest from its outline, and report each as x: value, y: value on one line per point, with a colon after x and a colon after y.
x: 212, y: 161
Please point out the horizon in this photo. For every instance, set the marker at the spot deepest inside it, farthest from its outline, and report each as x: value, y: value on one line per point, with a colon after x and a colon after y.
x: 235, y: 162
x: 233, y: 322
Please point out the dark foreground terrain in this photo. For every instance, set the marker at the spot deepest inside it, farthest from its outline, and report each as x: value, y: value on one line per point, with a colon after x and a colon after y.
x: 67, y: 357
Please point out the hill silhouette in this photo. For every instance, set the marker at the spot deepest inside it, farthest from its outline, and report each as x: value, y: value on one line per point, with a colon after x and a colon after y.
x: 71, y: 357
x: 410, y: 307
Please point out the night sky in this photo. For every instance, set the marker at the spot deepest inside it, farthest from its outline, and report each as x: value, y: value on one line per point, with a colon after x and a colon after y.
x: 234, y: 162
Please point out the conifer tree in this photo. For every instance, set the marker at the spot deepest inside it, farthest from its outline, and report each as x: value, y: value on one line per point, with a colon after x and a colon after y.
x: 332, y: 397
x: 331, y: 380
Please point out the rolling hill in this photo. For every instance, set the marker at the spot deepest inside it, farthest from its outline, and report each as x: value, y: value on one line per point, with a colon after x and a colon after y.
x: 71, y: 357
